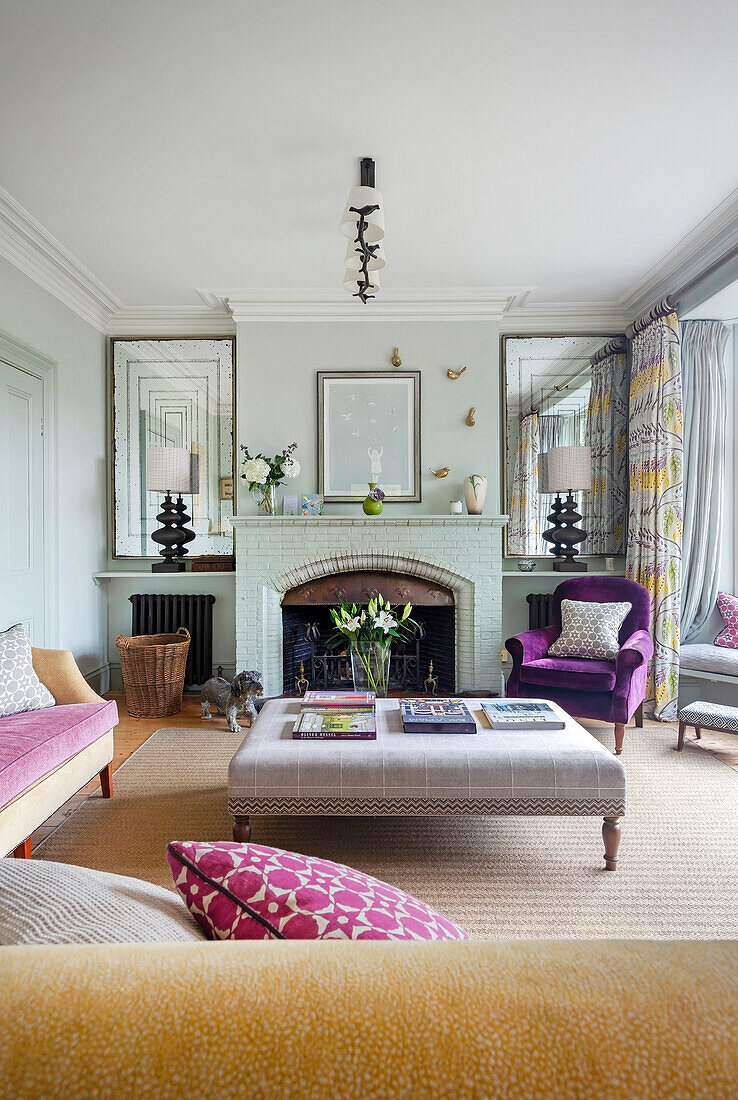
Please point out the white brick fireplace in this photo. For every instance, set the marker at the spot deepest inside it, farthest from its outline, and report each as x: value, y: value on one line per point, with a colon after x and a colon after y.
x: 276, y: 553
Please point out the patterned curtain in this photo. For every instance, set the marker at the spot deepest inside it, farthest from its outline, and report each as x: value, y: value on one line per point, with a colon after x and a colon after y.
x: 522, y: 533
x: 607, y: 435
x: 655, y: 514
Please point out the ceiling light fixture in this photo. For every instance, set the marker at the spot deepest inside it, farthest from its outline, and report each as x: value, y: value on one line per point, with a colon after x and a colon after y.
x: 363, y: 222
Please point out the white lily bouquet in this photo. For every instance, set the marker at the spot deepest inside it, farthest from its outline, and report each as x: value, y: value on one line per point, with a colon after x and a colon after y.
x: 265, y: 474
x: 370, y: 631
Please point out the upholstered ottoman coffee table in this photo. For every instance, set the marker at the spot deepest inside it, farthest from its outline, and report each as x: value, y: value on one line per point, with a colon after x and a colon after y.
x: 547, y: 772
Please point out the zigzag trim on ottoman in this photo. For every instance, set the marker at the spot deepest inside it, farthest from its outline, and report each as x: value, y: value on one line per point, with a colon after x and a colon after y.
x: 429, y: 807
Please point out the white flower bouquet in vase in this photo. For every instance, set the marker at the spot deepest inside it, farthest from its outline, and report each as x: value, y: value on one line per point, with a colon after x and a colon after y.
x: 370, y: 631
x: 265, y: 474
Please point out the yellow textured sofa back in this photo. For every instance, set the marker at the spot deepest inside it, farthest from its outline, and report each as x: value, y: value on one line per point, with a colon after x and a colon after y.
x: 373, y: 1020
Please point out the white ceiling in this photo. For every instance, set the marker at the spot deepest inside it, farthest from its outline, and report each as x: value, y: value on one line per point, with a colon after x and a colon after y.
x: 172, y: 145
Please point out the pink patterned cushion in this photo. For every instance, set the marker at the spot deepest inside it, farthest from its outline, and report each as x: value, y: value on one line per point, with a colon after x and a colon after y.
x: 250, y: 892
x: 728, y: 608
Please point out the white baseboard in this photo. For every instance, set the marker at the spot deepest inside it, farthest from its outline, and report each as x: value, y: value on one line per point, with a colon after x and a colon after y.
x: 115, y: 679
x: 99, y: 679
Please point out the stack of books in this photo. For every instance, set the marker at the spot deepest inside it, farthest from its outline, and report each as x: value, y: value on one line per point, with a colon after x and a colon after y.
x: 521, y: 715
x: 436, y: 716
x: 336, y: 716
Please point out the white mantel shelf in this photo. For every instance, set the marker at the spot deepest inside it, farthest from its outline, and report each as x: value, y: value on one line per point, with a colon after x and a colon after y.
x: 138, y: 574
x: 370, y: 521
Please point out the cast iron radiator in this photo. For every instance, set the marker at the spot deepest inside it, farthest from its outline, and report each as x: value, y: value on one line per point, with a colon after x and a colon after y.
x: 160, y: 614
x: 540, y: 606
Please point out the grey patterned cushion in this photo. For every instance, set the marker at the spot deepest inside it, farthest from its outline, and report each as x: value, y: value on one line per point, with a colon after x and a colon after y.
x: 20, y: 687
x: 44, y: 902
x: 589, y: 630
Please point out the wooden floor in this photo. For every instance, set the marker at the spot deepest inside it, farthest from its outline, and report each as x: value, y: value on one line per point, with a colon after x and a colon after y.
x: 132, y: 732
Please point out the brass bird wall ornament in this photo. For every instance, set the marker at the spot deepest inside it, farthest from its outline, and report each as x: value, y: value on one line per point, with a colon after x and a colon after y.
x: 454, y: 374
x: 470, y: 421
x: 443, y: 472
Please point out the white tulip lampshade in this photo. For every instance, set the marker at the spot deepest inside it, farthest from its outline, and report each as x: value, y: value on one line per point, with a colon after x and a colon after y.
x: 568, y: 470
x: 172, y: 470
x: 351, y: 281
x: 354, y: 258
x: 359, y: 197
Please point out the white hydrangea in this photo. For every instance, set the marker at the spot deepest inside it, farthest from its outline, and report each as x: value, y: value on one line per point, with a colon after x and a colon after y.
x: 256, y: 470
x: 291, y: 468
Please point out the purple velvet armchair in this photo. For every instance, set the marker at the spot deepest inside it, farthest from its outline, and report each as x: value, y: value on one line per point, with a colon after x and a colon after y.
x: 612, y: 691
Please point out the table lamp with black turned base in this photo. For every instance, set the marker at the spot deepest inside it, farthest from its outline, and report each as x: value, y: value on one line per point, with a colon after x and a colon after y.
x: 567, y: 470
x: 172, y: 470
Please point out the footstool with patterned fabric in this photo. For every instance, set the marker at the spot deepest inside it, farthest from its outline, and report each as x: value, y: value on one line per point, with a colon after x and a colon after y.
x: 706, y: 716
x: 564, y: 772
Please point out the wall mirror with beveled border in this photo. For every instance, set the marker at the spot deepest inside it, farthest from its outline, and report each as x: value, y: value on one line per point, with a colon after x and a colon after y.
x: 172, y: 393
x: 562, y: 391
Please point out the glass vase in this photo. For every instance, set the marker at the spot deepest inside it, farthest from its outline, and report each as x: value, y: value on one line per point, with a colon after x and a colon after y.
x: 370, y: 668
x: 266, y: 499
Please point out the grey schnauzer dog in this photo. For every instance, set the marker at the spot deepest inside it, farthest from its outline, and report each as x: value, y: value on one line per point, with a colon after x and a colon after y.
x: 233, y: 699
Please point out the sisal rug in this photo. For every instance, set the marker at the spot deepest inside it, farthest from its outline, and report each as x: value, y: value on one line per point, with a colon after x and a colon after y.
x: 497, y: 877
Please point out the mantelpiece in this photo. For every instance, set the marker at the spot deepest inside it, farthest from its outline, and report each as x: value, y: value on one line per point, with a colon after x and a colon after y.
x: 462, y: 553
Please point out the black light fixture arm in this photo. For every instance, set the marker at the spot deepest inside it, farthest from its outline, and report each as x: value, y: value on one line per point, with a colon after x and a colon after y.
x: 367, y: 172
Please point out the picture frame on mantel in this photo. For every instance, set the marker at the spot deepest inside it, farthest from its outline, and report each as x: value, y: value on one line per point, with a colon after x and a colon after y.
x: 369, y: 432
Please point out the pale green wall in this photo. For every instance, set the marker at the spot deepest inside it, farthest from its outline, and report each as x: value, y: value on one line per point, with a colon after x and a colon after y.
x: 277, y: 396
x: 34, y: 317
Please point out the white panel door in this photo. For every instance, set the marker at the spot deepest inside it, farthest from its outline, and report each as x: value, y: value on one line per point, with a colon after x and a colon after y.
x: 22, y: 578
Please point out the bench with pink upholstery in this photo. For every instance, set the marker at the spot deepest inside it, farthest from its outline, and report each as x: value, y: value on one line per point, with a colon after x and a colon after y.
x: 47, y: 755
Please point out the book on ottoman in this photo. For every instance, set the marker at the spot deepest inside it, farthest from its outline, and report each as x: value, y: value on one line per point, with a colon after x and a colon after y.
x: 335, y: 724
x: 338, y: 699
x: 521, y: 714
x: 436, y: 716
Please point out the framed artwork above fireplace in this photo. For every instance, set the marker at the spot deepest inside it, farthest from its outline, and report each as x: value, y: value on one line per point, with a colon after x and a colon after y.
x: 369, y: 432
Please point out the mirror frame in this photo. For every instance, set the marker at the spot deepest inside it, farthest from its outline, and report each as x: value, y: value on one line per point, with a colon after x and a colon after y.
x: 606, y: 337
x: 112, y: 341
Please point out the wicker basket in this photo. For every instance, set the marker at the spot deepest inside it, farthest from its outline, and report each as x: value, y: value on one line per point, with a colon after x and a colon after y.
x: 153, y: 668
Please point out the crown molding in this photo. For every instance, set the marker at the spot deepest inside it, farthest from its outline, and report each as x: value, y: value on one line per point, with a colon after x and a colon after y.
x: 712, y: 239
x: 334, y: 304
x: 38, y: 254
x: 561, y: 317
x: 170, y: 322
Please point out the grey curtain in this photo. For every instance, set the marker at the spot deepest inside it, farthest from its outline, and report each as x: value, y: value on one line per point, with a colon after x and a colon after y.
x: 703, y: 396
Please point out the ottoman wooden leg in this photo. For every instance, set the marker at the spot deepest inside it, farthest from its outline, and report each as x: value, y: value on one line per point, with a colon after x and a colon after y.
x: 619, y: 735
x: 682, y: 731
x: 698, y: 732
x: 611, y: 837
x: 23, y: 851
x: 639, y: 716
x: 241, y: 829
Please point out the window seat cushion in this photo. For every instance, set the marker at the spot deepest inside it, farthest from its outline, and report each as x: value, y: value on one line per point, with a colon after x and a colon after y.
x: 705, y: 657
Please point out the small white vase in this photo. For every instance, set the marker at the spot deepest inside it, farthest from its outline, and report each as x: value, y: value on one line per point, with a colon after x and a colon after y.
x: 475, y: 491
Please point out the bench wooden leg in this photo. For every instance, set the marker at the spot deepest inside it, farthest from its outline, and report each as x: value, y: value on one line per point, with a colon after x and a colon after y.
x: 698, y: 732
x: 639, y: 716
x: 682, y: 731
x: 611, y: 837
x: 619, y: 735
x: 23, y: 851
x: 106, y: 781
x: 241, y: 829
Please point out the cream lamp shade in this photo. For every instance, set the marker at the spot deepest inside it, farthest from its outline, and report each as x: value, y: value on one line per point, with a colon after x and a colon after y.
x: 568, y: 470
x: 351, y: 281
x: 354, y: 258
x: 172, y: 470
x: 360, y: 197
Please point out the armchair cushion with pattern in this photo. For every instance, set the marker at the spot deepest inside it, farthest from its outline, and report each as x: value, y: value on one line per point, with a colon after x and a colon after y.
x: 612, y: 691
